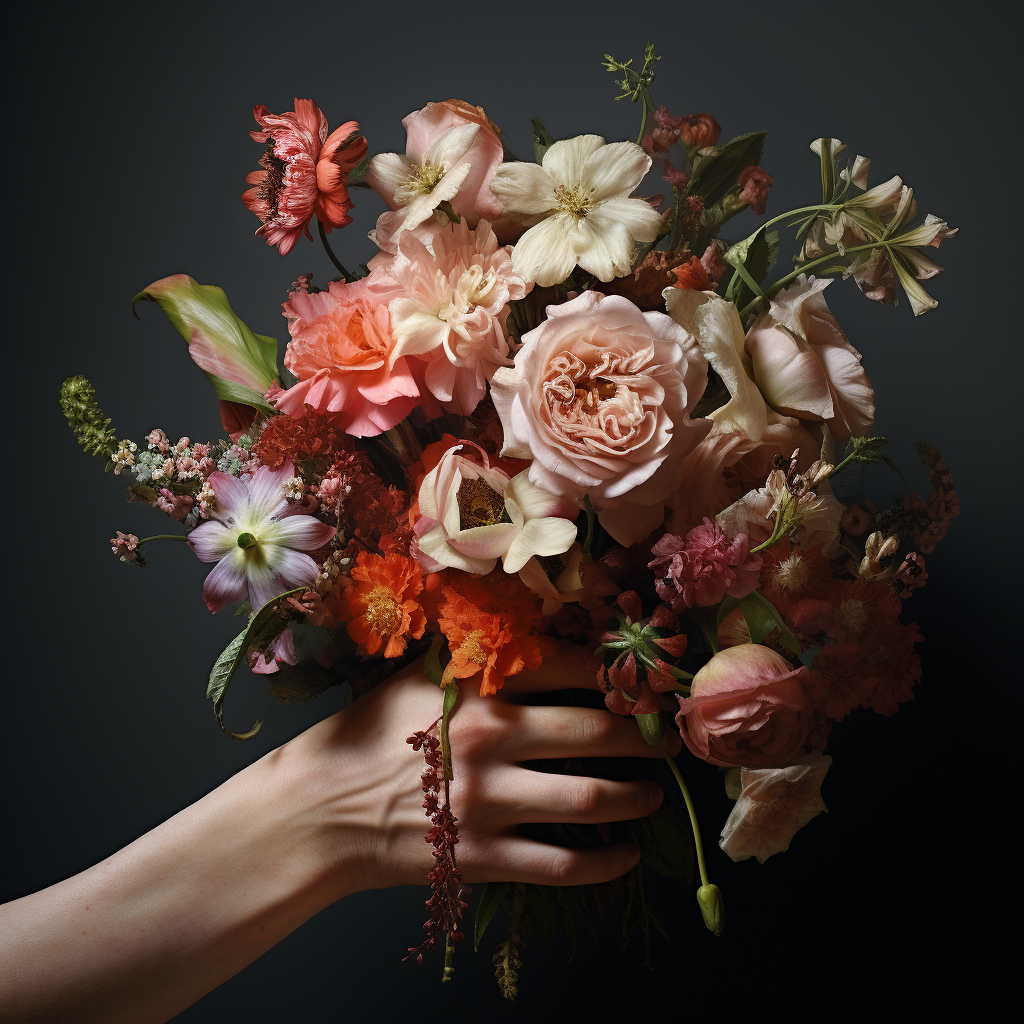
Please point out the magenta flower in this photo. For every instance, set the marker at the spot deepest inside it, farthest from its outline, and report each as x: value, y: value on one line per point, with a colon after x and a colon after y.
x: 704, y: 568
x: 256, y: 537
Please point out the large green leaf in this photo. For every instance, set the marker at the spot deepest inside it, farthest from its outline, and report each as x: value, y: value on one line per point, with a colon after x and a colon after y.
x: 264, y: 627
x: 666, y: 842
x: 241, y: 365
x: 490, y: 901
x: 713, y: 176
x: 762, y: 617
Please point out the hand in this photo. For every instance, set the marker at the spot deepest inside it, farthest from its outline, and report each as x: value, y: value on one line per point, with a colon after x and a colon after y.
x: 153, y: 928
x: 363, y: 781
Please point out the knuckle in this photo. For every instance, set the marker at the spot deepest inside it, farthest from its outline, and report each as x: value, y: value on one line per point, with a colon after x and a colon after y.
x: 563, y: 866
x: 596, y: 730
x: 584, y: 797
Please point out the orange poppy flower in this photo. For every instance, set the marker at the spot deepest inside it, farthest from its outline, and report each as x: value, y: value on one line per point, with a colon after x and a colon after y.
x: 490, y: 627
x: 381, y: 607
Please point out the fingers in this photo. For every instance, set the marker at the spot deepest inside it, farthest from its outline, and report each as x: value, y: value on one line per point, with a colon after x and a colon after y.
x: 545, y: 732
x: 518, y: 859
x: 569, y: 668
x: 540, y: 797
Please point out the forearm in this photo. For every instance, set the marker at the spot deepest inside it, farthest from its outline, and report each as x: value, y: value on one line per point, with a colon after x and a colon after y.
x: 145, y: 933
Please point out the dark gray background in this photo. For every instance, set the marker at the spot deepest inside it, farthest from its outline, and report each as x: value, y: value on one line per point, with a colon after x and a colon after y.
x: 127, y: 152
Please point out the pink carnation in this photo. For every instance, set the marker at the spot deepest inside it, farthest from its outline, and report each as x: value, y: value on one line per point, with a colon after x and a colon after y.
x: 704, y: 568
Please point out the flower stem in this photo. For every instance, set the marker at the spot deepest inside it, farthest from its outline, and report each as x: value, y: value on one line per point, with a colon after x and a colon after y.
x: 688, y: 800
x: 163, y: 536
x: 330, y: 252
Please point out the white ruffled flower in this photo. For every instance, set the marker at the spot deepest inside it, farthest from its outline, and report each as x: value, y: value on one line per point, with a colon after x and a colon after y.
x: 580, y: 192
x: 418, y: 183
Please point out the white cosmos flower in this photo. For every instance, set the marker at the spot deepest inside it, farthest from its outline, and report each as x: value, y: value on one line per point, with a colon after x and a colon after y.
x: 581, y: 189
x: 415, y: 185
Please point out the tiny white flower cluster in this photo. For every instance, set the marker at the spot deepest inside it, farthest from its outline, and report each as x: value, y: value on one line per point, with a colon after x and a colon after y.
x: 124, y: 456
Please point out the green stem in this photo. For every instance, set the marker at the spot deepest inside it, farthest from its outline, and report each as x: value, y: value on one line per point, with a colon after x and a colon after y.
x: 644, y: 99
x: 777, y: 532
x: 330, y: 252
x: 688, y: 800
x: 163, y: 536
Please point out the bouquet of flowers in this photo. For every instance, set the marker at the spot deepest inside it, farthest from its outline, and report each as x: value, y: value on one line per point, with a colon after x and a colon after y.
x: 551, y: 411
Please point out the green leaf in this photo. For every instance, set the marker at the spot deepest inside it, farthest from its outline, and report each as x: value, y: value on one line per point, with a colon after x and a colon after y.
x: 490, y: 901
x: 451, y: 695
x: 542, y: 906
x: 542, y: 139
x: 263, y: 628
x: 714, y: 176
x: 757, y: 254
x: 432, y: 662
x: 360, y: 169
x: 666, y: 843
x: 240, y: 365
x: 762, y: 617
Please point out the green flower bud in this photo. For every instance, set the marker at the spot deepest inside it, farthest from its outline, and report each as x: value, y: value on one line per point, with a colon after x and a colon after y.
x: 94, y: 430
x: 710, y: 899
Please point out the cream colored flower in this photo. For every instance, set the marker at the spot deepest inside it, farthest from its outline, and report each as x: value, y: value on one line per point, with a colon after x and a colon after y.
x: 418, y: 183
x: 580, y: 192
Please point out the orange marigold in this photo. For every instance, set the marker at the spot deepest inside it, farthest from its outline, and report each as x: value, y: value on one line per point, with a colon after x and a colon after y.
x: 380, y: 606
x: 490, y: 624
x: 298, y: 439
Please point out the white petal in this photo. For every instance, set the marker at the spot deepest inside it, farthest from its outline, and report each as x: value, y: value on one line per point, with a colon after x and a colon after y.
x: 453, y: 145
x: 266, y: 490
x: 640, y: 219
x: 231, y: 493
x: 305, y: 533
x: 386, y: 172
x: 535, y: 502
x: 545, y: 254
x: 564, y: 160
x: 434, y: 545
x: 881, y: 195
x: 416, y: 330
x: 226, y: 583
x: 616, y: 170
x: 293, y: 567
x: 540, y: 537
x: 211, y: 541
x: 524, y: 188
x: 604, y: 247
x: 920, y: 300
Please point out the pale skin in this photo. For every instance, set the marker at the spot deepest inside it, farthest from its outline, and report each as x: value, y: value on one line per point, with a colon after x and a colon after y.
x: 337, y: 810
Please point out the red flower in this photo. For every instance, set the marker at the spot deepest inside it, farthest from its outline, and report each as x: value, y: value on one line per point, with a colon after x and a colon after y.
x: 754, y: 185
x: 304, y: 171
x: 699, y: 130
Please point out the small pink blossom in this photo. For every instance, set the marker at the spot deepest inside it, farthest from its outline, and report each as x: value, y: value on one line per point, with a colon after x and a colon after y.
x: 124, y: 546
x: 705, y: 567
x: 177, y: 506
x: 754, y: 185
x: 157, y: 441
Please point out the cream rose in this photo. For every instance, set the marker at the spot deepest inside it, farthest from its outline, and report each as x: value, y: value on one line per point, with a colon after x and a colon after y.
x: 600, y: 398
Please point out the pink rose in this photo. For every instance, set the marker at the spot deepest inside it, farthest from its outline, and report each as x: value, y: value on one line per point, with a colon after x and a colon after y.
x: 749, y: 707
x: 805, y: 366
x: 774, y: 804
x: 600, y: 398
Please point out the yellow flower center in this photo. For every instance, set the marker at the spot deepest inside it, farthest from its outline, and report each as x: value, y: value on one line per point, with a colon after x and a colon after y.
x: 421, y: 181
x: 790, y: 574
x: 480, y: 505
x: 471, y: 649
x: 575, y: 201
x: 383, y: 612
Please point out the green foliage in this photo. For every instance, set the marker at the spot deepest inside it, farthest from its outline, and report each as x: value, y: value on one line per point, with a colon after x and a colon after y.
x: 762, y: 617
x: 542, y: 139
x: 451, y: 695
x: 666, y: 843
x: 94, y: 431
x: 756, y: 255
x: 490, y: 902
x: 264, y: 627
x: 715, y: 175
x: 866, y: 449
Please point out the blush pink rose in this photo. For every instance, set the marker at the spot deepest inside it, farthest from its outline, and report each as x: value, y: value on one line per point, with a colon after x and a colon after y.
x: 749, y: 707
x: 600, y: 398
x: 773, y: 805
x: 342, y: 358
x: 805, y: 366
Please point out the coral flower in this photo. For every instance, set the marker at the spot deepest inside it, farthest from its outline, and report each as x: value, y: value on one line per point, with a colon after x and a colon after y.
x: 342, y: 359
x: 490, y: 627
x: 257, y: 538
x: 381, y: 607
x: 304, y: 171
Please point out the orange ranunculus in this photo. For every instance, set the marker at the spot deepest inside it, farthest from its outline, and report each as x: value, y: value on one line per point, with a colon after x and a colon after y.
x: 381, y: 607
x: 490, y: 627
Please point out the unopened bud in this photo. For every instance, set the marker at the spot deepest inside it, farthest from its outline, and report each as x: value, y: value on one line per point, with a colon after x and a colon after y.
x: 710, y: 899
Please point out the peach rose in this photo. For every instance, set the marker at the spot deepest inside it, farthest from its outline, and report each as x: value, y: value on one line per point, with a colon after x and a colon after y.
x: 341, y: 358
x: 773, y: 805
x: 600, y: 398
x: 804, y: 364
x: 749, y: 707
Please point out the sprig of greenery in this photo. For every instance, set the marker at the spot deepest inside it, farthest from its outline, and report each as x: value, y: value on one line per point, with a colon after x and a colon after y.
x: 635, y: 85
x: 866, y: 449
x: 94, y: 431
